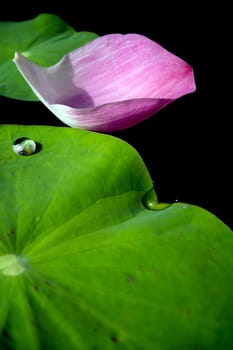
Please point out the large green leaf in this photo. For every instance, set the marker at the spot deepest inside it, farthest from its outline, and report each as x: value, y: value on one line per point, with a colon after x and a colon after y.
x: 86, y: 266
x: 44, y: 40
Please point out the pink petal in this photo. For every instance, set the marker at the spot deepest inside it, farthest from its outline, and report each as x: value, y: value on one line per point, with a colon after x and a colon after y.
x: 111, y: 83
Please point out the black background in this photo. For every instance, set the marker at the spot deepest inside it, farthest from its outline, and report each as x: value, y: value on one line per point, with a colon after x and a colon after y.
x: 187, y: 146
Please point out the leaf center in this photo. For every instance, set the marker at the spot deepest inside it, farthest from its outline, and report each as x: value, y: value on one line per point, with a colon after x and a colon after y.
x: 12, y: 265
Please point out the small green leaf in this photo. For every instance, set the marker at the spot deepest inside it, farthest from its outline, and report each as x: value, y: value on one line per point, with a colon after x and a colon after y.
x: 44, y: 39
x: 85, y: 265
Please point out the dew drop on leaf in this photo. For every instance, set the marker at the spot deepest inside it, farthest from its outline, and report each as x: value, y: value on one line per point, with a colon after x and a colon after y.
x: 24, y: 146
x: 150, y: 201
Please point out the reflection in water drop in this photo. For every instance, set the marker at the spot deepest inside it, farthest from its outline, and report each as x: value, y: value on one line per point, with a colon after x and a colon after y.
x: 150, y: 201
x: 24, y: 146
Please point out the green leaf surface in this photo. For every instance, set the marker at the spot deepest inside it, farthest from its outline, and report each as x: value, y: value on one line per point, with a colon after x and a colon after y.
x: 84, y: 265
x: 44, y: 40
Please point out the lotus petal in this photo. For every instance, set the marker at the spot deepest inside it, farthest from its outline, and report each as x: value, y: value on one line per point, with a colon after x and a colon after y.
x: 110, y: 83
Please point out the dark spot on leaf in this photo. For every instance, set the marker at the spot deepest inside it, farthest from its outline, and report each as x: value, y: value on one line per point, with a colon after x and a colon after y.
x: 130, y: 278
x: 10, y: 233
x: 114, y: 339
x: 49, y: 283
x: 37, y: 289
x: 33, y: 322
x: 188, y: 313
x: 6, y: 340
x: 214, y: 260
x: 5, y: 333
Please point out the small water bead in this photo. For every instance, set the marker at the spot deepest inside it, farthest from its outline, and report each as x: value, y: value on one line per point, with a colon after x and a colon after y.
x: 24, y: 146
x: 150, y: 201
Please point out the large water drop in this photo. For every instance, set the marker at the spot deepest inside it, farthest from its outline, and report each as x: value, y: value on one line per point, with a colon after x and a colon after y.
x: 150, y: 201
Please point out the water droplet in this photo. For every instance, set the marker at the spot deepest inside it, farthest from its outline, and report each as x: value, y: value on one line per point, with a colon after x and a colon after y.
x: 24, y: 146
x: 162, y: 206
x: 12, y: 265
x: 150, y: 201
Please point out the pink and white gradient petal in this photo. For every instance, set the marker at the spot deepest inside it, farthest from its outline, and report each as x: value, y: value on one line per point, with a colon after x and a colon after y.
x: 111, y: 83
